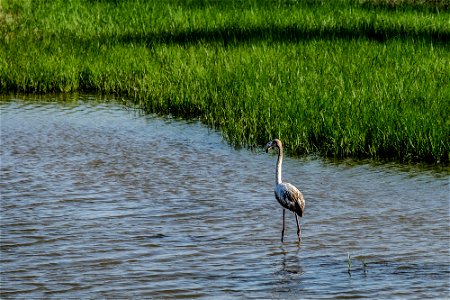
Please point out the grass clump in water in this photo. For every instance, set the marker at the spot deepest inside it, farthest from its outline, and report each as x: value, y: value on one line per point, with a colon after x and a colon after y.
x: 339, y: 78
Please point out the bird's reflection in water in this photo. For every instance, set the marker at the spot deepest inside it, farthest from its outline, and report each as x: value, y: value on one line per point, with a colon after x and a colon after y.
x: 290, y: 272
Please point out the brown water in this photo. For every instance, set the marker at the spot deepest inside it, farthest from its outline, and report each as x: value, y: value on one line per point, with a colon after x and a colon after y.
x: 98, y: 201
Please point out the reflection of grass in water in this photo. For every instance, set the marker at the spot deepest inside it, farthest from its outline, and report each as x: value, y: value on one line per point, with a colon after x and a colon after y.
x: 330, y: 77
x: 364, y: 264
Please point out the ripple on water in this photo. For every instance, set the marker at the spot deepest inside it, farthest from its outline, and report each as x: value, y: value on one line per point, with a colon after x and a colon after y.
x: 100, y: 201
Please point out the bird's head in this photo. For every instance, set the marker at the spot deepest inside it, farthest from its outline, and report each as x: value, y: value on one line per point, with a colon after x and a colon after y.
x: 276, y: 143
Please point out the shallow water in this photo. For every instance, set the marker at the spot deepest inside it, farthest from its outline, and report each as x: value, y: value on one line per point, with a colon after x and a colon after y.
x: 100, y: 201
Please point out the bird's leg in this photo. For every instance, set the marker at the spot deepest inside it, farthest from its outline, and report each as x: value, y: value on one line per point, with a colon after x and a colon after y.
x: 299, y: 230
x: 282, y: 231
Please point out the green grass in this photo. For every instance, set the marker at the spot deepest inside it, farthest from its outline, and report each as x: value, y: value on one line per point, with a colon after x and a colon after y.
x: 335, y: 78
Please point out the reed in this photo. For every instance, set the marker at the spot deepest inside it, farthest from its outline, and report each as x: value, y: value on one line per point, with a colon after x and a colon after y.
x: 337, y: 78
x: 349, y: 264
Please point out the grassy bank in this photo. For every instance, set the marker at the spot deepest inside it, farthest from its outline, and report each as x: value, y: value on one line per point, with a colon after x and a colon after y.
x: 342, y: 79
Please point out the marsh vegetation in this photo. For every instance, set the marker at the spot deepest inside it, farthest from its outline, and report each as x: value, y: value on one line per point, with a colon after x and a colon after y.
x: 334, y: 78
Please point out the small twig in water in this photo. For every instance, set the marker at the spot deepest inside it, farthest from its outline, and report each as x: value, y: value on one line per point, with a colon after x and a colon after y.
x: 364, y: 267
x: 349, y: 270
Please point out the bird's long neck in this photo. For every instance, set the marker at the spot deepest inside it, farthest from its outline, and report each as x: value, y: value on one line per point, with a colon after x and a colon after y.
x: 279, y: 162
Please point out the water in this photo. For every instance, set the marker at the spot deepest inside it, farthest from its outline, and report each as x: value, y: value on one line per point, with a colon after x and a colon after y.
x: 99, y: 201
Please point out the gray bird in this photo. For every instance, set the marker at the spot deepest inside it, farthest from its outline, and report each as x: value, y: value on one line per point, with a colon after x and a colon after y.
x: 286, y: 194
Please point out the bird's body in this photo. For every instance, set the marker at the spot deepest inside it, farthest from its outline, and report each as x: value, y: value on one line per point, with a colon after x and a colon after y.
x: 286, y: 194
x: 290, y: 197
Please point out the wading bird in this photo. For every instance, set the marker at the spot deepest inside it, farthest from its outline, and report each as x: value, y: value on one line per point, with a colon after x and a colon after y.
x: 286, y: 194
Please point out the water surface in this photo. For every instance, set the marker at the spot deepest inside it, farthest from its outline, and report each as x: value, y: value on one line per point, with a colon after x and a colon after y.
x: 100, y: 201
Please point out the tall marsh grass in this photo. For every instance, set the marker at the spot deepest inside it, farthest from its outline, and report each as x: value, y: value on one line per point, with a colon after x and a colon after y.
x: 338, y: 78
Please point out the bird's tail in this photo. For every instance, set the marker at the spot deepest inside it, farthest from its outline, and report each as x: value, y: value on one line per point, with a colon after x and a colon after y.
x: 298, y: 208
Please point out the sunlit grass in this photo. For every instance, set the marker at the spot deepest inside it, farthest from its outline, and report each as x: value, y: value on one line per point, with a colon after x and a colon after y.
x: 339, y: 78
